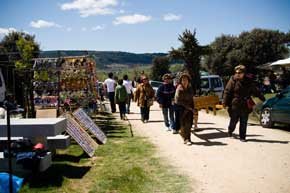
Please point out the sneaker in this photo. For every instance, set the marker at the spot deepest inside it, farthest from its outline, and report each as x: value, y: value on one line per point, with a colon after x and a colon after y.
x: 230, y: 134
x: 174, y: 131
x: 168, y: 129
x: 243, y: 140
x: 188, y: 143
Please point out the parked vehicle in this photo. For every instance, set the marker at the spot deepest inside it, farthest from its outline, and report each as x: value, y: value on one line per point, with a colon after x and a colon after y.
x: 276, y: 109
x: 155, y: 85
x: 212, y: 84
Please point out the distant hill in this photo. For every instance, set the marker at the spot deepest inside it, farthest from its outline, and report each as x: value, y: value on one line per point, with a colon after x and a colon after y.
x: 105, y: 58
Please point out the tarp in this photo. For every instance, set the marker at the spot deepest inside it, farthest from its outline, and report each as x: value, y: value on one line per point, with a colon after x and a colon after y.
x: 284, y: 62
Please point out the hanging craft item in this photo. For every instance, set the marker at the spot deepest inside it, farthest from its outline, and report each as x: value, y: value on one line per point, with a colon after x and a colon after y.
x: 70, y: 78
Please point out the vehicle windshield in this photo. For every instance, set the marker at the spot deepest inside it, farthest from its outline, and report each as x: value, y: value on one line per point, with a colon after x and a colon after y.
x: 215, y: 82
x: 155, y: 84
x: 204, y: 83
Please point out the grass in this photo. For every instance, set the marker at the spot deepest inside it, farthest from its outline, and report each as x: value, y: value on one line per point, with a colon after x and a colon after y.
x: 124, y: 165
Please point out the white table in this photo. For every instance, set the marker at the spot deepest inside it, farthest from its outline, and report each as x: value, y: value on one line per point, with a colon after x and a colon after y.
x: 33, y: 127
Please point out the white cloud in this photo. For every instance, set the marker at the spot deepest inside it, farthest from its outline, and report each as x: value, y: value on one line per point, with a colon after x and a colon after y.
x: 68, y: 29
x: 171, y: 17
x: 98, y: 27
x: 43, y: 24
x: 132, y: 19
x: 122, y: 11
x: 84, y: 29
x: 5, y: 31
x: 91, y: 7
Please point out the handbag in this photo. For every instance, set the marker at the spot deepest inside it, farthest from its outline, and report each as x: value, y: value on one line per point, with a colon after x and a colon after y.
x: 150, y: 102
x: 250, y: 103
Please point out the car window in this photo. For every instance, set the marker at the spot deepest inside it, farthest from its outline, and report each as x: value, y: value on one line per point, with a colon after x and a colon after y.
x: 216, y: 82
x: 204, y: 83
x: 155, y: 84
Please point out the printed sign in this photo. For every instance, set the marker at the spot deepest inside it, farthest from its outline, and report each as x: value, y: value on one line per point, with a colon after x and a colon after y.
x: 88, y: 123
x: 81, y: 136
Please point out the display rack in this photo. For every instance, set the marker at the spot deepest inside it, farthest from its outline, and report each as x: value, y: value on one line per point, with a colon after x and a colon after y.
x: 64, y: 82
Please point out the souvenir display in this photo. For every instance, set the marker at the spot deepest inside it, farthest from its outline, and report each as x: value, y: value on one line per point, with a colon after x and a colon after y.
x: 70, y: 78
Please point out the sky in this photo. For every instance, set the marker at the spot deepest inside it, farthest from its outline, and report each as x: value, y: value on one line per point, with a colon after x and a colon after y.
x: 142, y: 26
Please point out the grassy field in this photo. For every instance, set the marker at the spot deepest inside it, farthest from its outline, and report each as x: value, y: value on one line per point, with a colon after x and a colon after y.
x: 124, y: 165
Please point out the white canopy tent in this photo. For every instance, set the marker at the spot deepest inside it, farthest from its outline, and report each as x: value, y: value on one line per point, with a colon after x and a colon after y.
x: 284, y: 62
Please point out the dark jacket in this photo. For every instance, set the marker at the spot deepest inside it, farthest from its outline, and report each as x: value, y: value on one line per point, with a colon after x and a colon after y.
x: 184, y: 97
x: 237, y: 92
x: 165, y: 95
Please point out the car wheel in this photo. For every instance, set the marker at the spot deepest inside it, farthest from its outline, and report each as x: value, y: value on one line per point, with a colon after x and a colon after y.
x: 265, y: 118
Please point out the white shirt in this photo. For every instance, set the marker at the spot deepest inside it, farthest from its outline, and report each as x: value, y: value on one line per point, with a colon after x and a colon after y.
x: 128, y: 86
x: 110, y: 83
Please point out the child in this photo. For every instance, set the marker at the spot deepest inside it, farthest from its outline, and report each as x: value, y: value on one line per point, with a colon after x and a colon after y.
x: 121, y: 98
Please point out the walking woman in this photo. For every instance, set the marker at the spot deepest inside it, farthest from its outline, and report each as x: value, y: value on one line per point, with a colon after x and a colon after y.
x: 237, y: 97
x: 184, y: 107
x: 144, y: 96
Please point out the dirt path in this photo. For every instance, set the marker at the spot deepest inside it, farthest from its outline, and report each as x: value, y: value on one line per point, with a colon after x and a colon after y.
x: 218, y: 164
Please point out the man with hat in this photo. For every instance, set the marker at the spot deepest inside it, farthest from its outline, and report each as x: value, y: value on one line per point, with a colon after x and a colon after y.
x: 237, y: 97
x: 165, y: 97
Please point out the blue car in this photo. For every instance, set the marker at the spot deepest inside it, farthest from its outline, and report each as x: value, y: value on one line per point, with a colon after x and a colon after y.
x: 276, y: 109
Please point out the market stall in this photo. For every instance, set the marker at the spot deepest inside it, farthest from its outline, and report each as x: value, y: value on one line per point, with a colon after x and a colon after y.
x: 67, y: 82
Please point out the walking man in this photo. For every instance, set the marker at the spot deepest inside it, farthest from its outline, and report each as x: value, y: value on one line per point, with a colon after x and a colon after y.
x: 165, y: 98
x: 129, y: 89
x: 237, y: 97
x: 109, y: 87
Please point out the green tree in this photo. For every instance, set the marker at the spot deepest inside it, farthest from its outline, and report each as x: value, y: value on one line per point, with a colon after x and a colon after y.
x: 160, y: 67
x: 21, y: 48
x: 190, y: 52
x: 251, y: 49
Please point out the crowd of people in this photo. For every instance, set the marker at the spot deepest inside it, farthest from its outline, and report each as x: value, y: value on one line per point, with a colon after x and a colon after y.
x: 176, y: 101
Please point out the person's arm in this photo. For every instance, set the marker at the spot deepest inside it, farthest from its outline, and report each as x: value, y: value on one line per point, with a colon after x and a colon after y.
x: 255, y: 92
x: 159, y: 95
x: 137, y: 93
x: 116, y: 95
x: 228, y: 93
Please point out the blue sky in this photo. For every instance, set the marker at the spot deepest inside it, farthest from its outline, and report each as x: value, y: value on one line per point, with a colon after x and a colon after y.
x: 137, y: 26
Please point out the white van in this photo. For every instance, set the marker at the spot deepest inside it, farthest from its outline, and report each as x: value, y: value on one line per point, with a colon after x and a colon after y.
x: 2, y: 87
x: 212, y: 83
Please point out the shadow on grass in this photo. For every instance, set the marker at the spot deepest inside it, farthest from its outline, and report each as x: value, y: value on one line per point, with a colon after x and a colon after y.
x: 70, y: 158
x: 54, y: 176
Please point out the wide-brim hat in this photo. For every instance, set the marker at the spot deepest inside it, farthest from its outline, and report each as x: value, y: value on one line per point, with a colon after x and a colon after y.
x: 184, y: 74
x: 166, y: 76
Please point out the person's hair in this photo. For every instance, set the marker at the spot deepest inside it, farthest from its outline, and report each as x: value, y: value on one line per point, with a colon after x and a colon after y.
x: 110, y: 75
x: 120, y: 81
x: 125, y: 77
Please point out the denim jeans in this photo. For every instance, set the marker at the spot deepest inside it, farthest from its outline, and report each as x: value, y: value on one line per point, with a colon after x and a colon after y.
x: 243, y: 118
x: 168, y: 112
x: 111, y: 96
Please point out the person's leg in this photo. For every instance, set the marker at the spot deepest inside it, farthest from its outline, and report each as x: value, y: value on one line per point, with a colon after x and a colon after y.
x: 120, y: 109
x: 234, y: 118
x: 112, y: 101
x: 165, y: 116
x: 142, y: 109
x: 188, y: 120
x: 147, y: 113
x: 177, y: 118
x: 171, y: 117
x: 128, y: 104
x: 243, y: 125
